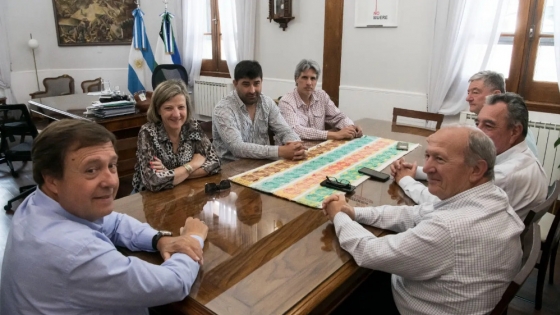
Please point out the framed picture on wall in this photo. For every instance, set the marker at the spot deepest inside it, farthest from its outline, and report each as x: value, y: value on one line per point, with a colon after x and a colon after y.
x: 376, y: 13
x: 93, y: 22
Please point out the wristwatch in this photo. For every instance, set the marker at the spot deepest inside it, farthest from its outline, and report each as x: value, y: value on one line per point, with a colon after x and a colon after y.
x: 159, y: 235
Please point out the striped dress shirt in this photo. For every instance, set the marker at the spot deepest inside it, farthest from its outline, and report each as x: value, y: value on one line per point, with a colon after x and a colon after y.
x: 456, y: 256
x: 308, y: 121
x: 236, y: 136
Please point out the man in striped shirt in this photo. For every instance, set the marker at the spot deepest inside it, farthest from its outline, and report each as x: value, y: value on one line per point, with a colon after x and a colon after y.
x: 242, y: 120
x: 307, y: 110
x: 456, y: 256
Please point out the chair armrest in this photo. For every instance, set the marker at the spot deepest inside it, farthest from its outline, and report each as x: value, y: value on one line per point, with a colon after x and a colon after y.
x: 36, y: 94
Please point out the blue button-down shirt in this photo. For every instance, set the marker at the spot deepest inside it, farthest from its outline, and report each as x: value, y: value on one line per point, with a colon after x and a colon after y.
x: 57, y: 263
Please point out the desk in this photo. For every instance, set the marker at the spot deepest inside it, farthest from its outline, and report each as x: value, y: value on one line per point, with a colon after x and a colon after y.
x: 124, y: 127
x: 263, y: 255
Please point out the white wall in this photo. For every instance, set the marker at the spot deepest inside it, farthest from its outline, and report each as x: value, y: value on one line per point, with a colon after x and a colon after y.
x: 279, y: 51
x: 381, y: 68
x: 387, y: 67
x: 80, y: 62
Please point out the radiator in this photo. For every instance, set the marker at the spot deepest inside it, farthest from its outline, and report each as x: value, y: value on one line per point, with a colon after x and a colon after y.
x: 208, y: 91
x: 545, y: 136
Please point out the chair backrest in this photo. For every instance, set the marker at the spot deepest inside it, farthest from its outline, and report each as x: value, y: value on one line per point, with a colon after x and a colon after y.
x: 437, y: 118
x: 167, y: 72
x: 206, y: 126
x: 91, y: 85
x: 553, y: 234
x: 532, y: 247
x: 536, y: 214
x: 16, y: 120
x: 61, y: 85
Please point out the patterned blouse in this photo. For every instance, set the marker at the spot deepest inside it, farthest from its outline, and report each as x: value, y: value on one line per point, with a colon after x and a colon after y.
x: 153, y: 141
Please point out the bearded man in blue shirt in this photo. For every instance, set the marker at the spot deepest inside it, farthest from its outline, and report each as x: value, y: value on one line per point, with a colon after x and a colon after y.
x: 60, y: 256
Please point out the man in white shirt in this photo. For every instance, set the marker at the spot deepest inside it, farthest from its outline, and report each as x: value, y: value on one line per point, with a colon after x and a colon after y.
x: 518, y: 172
x: 456, y: 256
x: 485, y: 83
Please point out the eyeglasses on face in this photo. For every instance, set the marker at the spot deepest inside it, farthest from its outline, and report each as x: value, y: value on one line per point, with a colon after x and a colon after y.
x: 338, y: 182
x: 211, y: 188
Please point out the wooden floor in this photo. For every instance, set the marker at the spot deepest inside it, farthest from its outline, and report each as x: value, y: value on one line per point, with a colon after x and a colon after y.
x: 522, y: 304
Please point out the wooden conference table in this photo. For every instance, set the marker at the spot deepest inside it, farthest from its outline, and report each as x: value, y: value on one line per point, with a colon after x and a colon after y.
x: 263, y: 254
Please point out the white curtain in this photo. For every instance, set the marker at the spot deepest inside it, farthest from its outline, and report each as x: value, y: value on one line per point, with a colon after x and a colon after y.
x: 464, y: 33
x: 5, y: 68
x: 557, y: 38
x: 237, y: 21
x: 194, y: 22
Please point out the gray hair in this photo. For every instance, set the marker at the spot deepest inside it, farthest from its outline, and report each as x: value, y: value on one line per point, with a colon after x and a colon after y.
x: 165, y: 91
x: 479, y: 147
x: 516, y: 108
x: 491, y: 79
x: 306, y: 64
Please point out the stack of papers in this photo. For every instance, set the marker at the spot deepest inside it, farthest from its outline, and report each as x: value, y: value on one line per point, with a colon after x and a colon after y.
x: 111, y: 109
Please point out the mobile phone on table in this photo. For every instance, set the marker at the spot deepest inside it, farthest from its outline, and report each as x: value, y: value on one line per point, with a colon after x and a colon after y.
x: 373, y: 174
x: 402, y: 146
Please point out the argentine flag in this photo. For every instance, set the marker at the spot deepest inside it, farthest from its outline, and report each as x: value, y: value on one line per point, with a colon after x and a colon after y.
x: 141, y: 61
x: 166, y: 48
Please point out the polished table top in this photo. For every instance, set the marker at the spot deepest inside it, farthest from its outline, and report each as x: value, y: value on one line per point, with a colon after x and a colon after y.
x: 264, y: 254
x: 73, y: 106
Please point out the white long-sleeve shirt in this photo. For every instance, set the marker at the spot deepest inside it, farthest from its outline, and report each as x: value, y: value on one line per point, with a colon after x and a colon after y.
x: 517, y: 172
x: 456, y: 256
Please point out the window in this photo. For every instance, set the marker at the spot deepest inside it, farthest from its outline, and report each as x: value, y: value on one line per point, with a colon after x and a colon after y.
x: 525, y: 53
x: 213, y: 60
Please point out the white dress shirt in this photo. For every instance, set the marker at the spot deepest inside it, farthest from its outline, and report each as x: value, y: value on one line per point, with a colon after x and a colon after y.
x: 517, y: 172
x: 456, y: 256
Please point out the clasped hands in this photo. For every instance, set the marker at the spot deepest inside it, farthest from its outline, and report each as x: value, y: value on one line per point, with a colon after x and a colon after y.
x: 293, y: 150
x: 348, y: 132
x: 400, y: 169
x: 336, y: 203
x: 185, y: 243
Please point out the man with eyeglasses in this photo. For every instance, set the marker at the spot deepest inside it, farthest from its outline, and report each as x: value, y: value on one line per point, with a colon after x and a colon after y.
x: 445, y: 258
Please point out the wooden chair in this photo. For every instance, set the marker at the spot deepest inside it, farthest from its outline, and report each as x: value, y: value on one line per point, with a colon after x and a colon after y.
x: 206, y: 126
x: 2, y: 101
x: 550, y: 235
x: 62, y: 85
x: 531, y: 248
x: 91, y: 85
x: 437, y: 118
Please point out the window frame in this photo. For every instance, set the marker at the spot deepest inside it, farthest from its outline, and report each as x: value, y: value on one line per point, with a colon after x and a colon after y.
x: 215, y: 67
x: 539, y: 96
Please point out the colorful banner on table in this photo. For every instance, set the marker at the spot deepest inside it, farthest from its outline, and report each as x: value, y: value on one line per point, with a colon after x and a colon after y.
x: 299, y: 181
x: 141, y: 62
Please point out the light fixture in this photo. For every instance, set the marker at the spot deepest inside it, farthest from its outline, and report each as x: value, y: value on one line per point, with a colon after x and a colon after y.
x: 33, y: 44
x: 280, y: 11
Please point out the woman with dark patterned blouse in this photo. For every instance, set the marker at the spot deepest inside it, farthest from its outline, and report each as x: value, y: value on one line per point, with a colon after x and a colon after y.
x: 171, y: 145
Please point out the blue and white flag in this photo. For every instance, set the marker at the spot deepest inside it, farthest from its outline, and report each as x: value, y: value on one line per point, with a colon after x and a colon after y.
x: 141, y: 62
x: 166, y: 48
